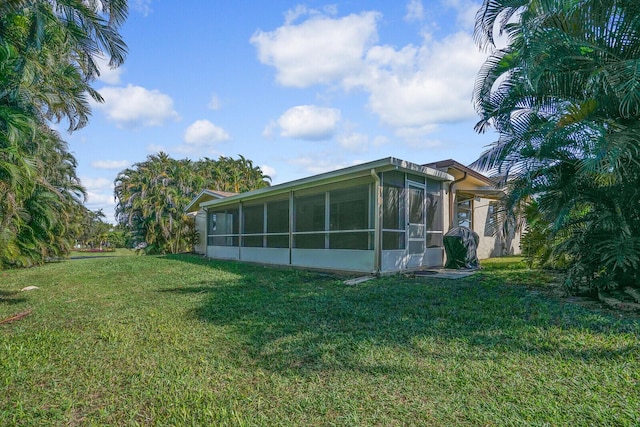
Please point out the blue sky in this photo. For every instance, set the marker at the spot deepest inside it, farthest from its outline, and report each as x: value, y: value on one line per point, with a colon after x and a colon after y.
x: 299, y: 88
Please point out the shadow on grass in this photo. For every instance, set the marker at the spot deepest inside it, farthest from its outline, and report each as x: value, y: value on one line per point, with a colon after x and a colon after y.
x: 290, y: 319
x: 10, y: 297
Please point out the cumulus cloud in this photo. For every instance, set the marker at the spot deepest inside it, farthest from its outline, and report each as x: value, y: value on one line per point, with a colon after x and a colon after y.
x: 203, y: 132
x: 437, y: 89
x: 411, y: 88
x: 268, y: 171
x: 321, y: 49
x: 110, y: 164
x: 309, y: 122
x: 201, y: 137
x: 135, y: 106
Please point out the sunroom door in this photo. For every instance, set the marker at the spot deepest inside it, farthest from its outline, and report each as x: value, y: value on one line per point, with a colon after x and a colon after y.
x: 416, y: 228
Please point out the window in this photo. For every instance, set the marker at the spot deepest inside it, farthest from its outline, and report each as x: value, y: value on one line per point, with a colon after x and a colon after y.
x: 253, y: 226
x: 278, y: 224
x: 223, y: 228
x: 310, y: 218
x: 393, y: 213
x: 464, y: 211
x: 435, y: 221
x: 348, y: 211
x: 335, y: 219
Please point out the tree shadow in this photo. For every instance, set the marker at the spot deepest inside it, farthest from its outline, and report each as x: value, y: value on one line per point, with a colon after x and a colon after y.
x: 9, y: 297
x: 307, y: 322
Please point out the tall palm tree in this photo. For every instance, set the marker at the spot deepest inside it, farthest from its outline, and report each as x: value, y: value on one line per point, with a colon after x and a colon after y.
x: 564, y: 95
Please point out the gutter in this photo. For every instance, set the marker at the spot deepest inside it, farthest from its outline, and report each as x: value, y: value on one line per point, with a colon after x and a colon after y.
x: 377, y: 230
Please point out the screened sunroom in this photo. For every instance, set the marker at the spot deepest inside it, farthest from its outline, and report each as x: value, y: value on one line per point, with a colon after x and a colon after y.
x: 379, y: 217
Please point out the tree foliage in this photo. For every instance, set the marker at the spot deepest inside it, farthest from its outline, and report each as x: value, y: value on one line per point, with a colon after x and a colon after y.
x: 152, y: 196
x: 564, y: 95
x: 48, y: 51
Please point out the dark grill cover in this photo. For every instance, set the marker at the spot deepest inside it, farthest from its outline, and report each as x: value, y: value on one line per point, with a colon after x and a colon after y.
x: 461, y: 246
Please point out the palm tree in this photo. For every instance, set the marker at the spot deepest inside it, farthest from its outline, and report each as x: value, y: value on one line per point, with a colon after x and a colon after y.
x: 564, y: 95
x: 47, y: 61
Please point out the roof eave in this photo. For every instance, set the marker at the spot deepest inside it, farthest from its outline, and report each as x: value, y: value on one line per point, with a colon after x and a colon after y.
x: 357, y: 171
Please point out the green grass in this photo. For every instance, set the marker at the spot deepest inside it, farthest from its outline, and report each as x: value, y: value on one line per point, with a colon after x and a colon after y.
x: 179, y: 340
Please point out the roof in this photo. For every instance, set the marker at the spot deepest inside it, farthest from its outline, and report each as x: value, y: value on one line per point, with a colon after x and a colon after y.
x: 357, y: 171
x: 450, y: 163
x: 205, y: 196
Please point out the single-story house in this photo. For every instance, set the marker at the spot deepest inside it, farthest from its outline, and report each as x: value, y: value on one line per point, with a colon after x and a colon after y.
x: 379, y: 217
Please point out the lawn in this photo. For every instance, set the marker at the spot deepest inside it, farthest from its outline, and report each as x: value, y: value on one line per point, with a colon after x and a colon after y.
x: 179, y: 340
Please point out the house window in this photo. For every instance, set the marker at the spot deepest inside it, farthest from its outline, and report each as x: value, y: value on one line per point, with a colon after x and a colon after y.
x: 464, y: 211
x: 393, y: 214
x: 349, y: 211
x: 435, y: 221
x: 223, y: 228
x: 278, y: 224
x: 335, y: 219
x: 253, y: 226
x: 309, y: 220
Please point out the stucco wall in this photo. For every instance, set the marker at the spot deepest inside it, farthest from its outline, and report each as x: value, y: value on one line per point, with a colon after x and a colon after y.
x: 493, y: 242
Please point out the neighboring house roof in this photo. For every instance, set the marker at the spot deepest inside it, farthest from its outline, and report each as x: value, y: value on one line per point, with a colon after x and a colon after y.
x: 470, y: 180
x: 205, y: 196
x: 450, y: 163
x: 352, y: 172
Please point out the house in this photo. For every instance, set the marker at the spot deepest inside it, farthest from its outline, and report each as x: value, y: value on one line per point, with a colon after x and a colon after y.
x: 379, y: 217
x: 473, y: 202
x: 201, y: 215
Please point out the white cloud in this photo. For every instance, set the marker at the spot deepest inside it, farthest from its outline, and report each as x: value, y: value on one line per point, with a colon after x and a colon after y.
x: 309, y: 122
x: 420, y: 87
x: 110, y: 164
x: 201, y: 137
x: 269, y: 171
x: 108, y: 75
x: 97, y: 184
x: 415, y: 11
x: 203, y: 132
x: 135, y: 106
x: 412, y: 88
x: 100, y: 196
x: 319, y: 50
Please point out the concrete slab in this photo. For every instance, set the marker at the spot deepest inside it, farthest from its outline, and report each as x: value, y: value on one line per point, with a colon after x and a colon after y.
x: 444, y: 273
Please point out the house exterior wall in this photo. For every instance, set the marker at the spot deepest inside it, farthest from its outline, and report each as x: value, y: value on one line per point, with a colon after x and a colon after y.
x: 334, y: 226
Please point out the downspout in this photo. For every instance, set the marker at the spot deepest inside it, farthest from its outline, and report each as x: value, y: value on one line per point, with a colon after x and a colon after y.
x: 377, y: 247
x: 451, y: 198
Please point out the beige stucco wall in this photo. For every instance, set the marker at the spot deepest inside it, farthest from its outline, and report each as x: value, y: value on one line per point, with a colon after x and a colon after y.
x: 492, y: 244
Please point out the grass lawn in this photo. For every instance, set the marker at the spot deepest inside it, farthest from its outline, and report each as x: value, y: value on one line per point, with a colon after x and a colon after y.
x: 178, y: 340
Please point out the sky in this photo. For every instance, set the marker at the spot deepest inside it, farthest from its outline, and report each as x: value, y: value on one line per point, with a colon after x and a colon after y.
x: 299, y: 88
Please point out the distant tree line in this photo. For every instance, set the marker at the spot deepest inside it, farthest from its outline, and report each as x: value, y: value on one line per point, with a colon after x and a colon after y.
x: 151, y: 196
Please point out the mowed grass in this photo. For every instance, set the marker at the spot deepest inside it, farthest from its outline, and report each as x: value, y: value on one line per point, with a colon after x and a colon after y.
x: 180, y: 340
